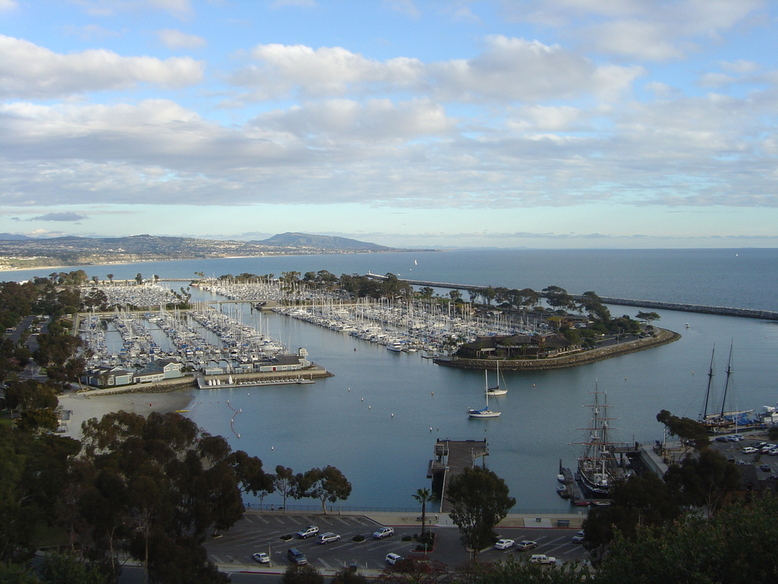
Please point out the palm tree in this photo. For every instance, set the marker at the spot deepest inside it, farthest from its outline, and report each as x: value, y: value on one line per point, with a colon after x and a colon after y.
x: 424, y: 496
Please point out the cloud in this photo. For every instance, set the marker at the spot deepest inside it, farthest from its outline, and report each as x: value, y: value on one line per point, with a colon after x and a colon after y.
x: 30, y: 71
x: 8, y: 5
x: 509, y: 69
x: 105, y: 8
x: 65, y: 216
x: 650, y: 31
x: 174, y: 39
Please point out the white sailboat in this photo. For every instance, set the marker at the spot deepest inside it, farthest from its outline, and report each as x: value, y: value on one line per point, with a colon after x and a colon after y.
x: 496, y: 390
x: 485, y: 412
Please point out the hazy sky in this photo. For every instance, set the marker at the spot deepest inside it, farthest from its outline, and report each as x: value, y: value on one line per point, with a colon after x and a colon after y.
x: 542, y: 123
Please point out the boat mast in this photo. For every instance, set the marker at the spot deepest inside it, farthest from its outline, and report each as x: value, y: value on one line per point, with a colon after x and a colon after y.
x: 710, y: 382
x: 726, y: 384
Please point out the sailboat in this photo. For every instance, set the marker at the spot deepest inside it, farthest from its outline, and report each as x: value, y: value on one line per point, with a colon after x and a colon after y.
x: 485, y: 412
x: 722, y: 420
x: 496, y: 390
x: 597, y: 468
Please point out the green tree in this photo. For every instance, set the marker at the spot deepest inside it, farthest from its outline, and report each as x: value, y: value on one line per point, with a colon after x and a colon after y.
x: 284, y: 482
x: 648, y: 317
x: 139, y: 278
x: 327, y: 484
x: 305, y: 574
x: 480, y: 500
x: 348, y: 576
x: 704, y: 480
x: 178, y: 482
x: 690, y: 432
x: 734, y: 547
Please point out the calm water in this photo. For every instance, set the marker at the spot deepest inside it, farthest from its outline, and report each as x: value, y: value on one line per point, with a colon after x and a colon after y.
x: 377, y: 419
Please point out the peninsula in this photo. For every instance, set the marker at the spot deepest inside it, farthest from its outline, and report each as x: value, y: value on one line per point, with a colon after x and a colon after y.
x: 19, y: 253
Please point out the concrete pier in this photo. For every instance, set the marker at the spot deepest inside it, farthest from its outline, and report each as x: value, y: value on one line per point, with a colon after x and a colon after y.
x: 452, y: 457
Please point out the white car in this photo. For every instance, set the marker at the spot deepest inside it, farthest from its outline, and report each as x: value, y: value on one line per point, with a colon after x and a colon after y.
x: 504, y: 544
x: 578, y: 537
x: 392, y: 558
x: 749, y: 450
x: 261, y: 557
x: 309, y: 531
x: 542, y: 559
x: 327, y: 537
x: 383, y: 532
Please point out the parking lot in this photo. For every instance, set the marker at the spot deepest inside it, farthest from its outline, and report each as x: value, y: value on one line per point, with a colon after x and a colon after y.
x: 263, y: 532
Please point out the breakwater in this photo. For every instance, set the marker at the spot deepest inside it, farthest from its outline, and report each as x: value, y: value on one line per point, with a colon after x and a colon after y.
x: 719, y: 310
x: 661, y: 337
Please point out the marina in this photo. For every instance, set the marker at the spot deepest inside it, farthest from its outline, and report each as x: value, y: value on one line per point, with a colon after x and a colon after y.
x: 392, y: 406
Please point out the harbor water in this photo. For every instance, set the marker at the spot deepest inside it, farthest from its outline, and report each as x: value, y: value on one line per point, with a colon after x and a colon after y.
x: 378, y: 417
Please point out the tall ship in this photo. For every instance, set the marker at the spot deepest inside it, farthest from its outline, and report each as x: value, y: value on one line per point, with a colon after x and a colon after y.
x: 600, y: 464
x: 719, y: 419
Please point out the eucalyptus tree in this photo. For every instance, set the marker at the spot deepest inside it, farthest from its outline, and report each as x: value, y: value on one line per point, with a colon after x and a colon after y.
x: 327, y: 484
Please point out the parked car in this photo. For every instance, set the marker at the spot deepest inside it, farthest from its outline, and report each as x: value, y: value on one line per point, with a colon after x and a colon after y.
x: 749, y: 450
x: 392, y: 558
x: 309, y: 531
x: 526, y: 544
x: 296, y: 556
x: 261, y: 557
x: 542, y: 559
x: 578, y: 537
x: 504, y: 544
x: 765, y: 468
x: 383, y: 532
x: 327, y: 537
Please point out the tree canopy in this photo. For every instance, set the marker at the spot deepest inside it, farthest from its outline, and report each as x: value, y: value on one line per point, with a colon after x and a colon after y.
x: 480, y: 500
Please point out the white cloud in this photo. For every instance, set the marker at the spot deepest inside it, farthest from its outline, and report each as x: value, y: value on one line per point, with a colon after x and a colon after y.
x: 8, y: 5
x: 105, y: 8
x: 174, y: 39
x: 27, y: 70
x: 648, y: 30
x: 509, y: 69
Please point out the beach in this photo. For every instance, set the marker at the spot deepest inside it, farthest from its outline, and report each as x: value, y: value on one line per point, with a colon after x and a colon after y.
x: 86, y: 405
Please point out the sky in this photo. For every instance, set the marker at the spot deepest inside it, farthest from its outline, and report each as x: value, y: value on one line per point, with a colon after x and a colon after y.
x: 409, y: 123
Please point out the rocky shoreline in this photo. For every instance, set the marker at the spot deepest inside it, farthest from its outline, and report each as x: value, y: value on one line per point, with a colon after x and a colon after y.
x: 661, y: 337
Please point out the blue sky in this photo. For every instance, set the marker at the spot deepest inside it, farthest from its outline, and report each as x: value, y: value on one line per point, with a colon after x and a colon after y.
x: 537, y: 123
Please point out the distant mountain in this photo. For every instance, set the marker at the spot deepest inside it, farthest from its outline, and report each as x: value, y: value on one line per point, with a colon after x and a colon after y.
x: 321, y: 242
x: 13, y: 237
x: 26, y: 252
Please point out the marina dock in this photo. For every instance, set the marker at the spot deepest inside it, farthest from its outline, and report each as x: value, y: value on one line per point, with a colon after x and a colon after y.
x: 452, y: 457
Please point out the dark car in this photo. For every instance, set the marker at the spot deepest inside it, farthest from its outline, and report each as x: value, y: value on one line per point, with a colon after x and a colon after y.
x: 296, y: 556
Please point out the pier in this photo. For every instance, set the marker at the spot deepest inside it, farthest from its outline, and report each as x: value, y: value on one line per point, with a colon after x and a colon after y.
x: 452, y: 457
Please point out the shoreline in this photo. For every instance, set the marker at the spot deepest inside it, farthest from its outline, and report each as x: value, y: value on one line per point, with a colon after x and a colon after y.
x: 84, y: 407
x: 663, y: 337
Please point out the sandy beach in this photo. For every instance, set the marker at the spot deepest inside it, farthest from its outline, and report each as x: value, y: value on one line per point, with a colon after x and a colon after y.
x: 83, y: 406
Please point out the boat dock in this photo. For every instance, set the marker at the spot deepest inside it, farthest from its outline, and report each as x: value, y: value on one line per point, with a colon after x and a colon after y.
x: 452, y: 457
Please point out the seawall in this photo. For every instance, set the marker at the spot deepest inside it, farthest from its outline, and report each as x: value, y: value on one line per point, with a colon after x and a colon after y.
x: 661, y: 337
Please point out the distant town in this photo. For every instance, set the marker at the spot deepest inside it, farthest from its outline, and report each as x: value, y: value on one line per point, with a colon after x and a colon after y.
x: 19, y: 252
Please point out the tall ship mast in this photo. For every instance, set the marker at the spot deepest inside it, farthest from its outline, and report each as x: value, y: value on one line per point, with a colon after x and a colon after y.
x: 598, y: 465
x: 721, y: 420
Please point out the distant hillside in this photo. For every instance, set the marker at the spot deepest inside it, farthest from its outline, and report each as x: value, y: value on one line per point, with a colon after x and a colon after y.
x: 321, y: 242
x: 26, y: 252
x: 12, y: 237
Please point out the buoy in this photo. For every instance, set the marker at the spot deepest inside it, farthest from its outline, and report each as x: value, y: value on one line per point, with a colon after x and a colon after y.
x: 430, y: 428
x: 432, y: 393
x: 393, y: 415
x: 369, y: 407
x: 272, y: 448
x: 363, y: 399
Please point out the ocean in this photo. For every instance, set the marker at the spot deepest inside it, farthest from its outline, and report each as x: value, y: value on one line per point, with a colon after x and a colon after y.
x: 378, y: 417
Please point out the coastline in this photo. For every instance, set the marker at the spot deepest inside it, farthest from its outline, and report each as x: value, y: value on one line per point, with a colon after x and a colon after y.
x: 83, y: 407
x: 663, y: 337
